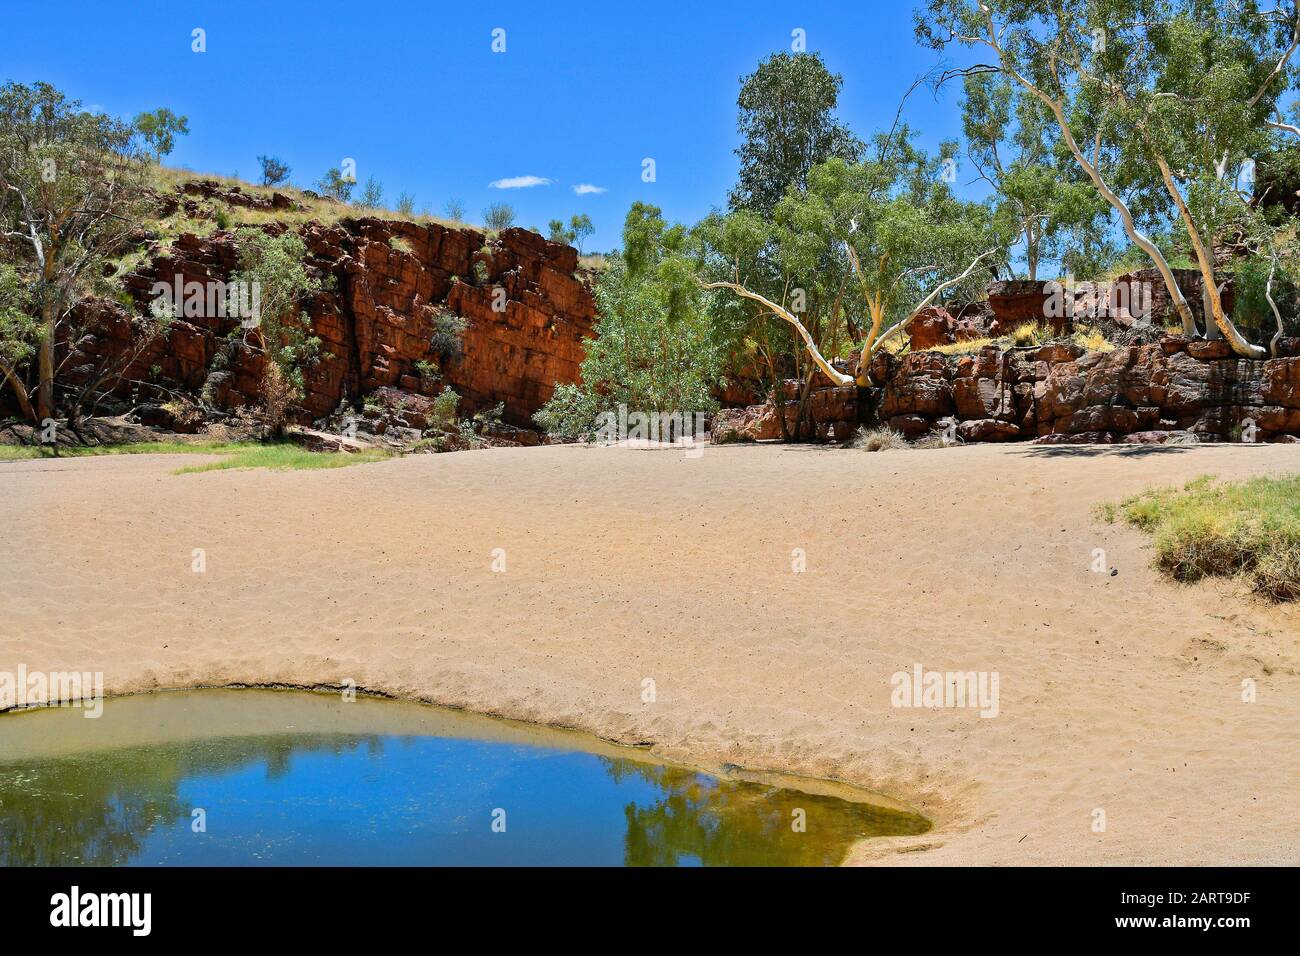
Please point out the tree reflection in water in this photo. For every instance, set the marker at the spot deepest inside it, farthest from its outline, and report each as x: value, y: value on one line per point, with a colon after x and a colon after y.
x: 718, y: 822
x: 98, y: 809
x: 102, y: 808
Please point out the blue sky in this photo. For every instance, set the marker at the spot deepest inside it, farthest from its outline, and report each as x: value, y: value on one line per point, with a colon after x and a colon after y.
x: 413, y: 92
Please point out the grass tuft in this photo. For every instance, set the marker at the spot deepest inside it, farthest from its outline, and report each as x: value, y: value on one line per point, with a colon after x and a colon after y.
x: 879, y: 439
x: 286, y: 457
x: 969, y: 347
x: 1248, y: 529
x: 1092, y: 339
x: 1031, y: 333
x: 281, y: 456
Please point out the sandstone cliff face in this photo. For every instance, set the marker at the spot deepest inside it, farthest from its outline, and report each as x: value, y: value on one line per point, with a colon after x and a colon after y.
x: 388, y: 282
x: 1056, y: 393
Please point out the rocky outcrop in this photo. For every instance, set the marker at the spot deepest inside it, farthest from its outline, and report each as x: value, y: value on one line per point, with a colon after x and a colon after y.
x: 1130, y: 300
x: 1015, y: 302
x: 936, y: 326
x: 834, y: 412
x: 418, y: 308
x: 1174, y: 386
x: 1173, y: 390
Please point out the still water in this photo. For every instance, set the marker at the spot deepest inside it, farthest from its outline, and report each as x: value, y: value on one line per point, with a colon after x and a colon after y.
x: 259, y: 777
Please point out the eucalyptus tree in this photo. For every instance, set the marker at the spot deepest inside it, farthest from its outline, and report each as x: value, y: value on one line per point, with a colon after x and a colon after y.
x: 73, y: 192
x: 1160, y: 102
x: 1013, y: 143
x: 786, y: 120
x: 654, y: 350
x: 159, y: 129
x: 884, y: 238
x: 789, y: 258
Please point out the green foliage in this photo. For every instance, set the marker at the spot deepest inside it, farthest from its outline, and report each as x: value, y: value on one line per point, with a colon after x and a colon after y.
x: 18, y: 326
x: 1251, y: 311
x: 655, y: 348
x: 337, y: 186
x: 73, y: 191
x: 1043, y: 197
x: 372, y: 195
x: 445, y: 406
x: 448, y: 336
x: 572, y: 412
x: 894, y: 210
x: 283, y: 456
x: 275, y: 171
x: 498, y: 216
x: 558, y: 233
x: 1169, y: 103
x: 580, y: 227
x: 275, y: 265
x: 406, y: 204
x: 278, y: 456
x: 159, y: 130
x: 787, y: 126
x: 455, y: 210
x: 1210, y: 528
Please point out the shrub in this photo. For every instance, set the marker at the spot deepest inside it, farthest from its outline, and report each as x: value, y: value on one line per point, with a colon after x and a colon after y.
x: 335, y: 185
x: 654, y: 351
x: 455, y: 210
x: 1251, y: 312
x: 498, y: 216
x: 879, y: 439
x: 1092, y: 339
x: 571, y: 413
x: 283, y: 332
x: 372, y: 195
x: 1031, y: 333
x: 444, y: 408
x: 558, y: 233
x: 1249, y: 529
x: 275, y: 171
x: 448, y: 335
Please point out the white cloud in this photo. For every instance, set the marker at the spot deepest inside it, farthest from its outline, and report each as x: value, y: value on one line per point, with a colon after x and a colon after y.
x: 519, y: 182
x: 583, y: 189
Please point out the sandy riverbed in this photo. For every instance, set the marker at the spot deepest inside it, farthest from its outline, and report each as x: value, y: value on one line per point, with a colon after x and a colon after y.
x: 1117, y: 693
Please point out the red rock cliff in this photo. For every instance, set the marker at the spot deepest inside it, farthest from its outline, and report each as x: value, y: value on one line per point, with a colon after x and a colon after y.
x: 391, y: 280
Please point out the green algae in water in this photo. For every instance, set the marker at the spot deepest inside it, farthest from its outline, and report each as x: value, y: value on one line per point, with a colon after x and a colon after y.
x: 291, y: 778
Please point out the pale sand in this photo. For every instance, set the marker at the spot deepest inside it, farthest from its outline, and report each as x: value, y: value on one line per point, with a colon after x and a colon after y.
x: 1117, y: 693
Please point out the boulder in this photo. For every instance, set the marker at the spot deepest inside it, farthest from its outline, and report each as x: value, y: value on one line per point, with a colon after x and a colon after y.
x: 931, y: 328
x: 988, y: 429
